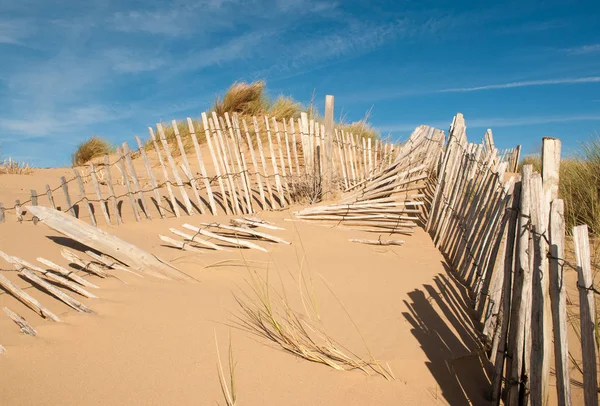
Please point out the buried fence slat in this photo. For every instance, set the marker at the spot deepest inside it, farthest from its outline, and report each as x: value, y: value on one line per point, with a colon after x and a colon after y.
x: 26, y: 299
x: 186, y: 165
x: 50, y: 197
x: 192, y: 238
x: 216, y: 162
x: 246, y: 222
x: 587, y: 315
x: 165, y: 172
x: 66, y: 273
x: 18, y: 211
x: 84, y: 198
x: 235, y: 241
x: 68, y: 300
x: 65, y: 188
x: 136, y: 182
x: 1, y: 212
x: 186, y: 199
x: 21, y: 322
x: 99, y: 193
x: 85, y: 266
x: 377, y: 242
x: 132, y: 202
x: 111, y: 191
x: 152, y: 178
x: 559, y: 302
x: 112, y: 264
x: 247, y: 231
x: 211, y: 198
x: 34, y: 202
x: 108, y: 244
x: 181, y: 245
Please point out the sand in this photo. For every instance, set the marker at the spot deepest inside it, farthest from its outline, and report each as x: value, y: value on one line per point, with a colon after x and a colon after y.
x: 153, y: 341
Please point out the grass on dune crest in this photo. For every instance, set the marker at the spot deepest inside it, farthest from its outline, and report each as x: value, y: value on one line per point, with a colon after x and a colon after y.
x: 90, y: 149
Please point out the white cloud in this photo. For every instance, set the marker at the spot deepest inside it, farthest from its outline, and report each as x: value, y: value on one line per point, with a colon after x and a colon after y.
x: 584, y: 50
x: 526, y: 83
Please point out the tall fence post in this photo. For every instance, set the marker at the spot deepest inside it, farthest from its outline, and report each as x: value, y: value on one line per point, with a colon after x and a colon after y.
x: 328, y: 156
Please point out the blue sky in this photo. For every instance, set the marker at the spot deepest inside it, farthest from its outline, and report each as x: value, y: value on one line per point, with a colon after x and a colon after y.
x: 70, y: 69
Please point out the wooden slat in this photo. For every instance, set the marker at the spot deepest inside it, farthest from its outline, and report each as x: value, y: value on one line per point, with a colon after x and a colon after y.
x: 203, y: 173
x: 236, y: 151
x: 66, y: 273
x: 57, y: 293
x: 165, y: 172
x: 263, y: 162
x: 226, y: 154
x: 284, y: 176
x: 181, y: 245
x: 195, y: 239
x: 136, y: 183
x: 21, y: 322
x: 216, y: 161
x: 2, y: 213
x: 65, y: 188
x: 99, y: 193
x: 153, y: 183
x: 84, y: 198
x: 26, y: 299
x: 34, y: 202
x: 234, y: 241
x: 247, y: 231
x: 587, y: 315
x: 132, y: 202
x: 111, y: 192
x: 278, y: 182
x: 255, y: 166
x: 186, y: 200
x: 188, y: 169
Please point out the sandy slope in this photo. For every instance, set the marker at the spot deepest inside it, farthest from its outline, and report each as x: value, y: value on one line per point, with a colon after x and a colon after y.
x: 152, y: 342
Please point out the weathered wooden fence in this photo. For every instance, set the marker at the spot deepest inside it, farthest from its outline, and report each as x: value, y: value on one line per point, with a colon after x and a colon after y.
x: 220, y: 165
x: 503, y: 234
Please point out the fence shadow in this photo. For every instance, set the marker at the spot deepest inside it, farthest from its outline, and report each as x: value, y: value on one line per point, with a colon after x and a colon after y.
x: 441, y: 321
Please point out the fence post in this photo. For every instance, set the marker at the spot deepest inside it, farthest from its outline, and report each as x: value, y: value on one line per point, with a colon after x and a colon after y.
x: 587, y: 314
x: 327, y: 164
x: 34, y: 202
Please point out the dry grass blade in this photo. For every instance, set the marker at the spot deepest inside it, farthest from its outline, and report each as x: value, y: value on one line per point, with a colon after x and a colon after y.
x: 267, y: 314
x: 229, y: 391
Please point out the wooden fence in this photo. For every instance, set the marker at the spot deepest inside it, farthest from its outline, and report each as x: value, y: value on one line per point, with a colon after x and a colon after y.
x: 504, y: 236
x: 233, y: 165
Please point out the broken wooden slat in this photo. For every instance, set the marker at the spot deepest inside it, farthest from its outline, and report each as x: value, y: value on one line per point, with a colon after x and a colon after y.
x: 68, y: 300
x: 110, y: 264
x: 66, y: 273
x: 111, y: 191
x: 193, y: 238
x: 21, y: 322
x: 245, y: 221
x: 377, y: 242
x: 235, y: 241
x: 248, y: 231
x: 26, y: 299
x: 109, y: 244
x: 65, y: 188
x: 181, y: 245
x: 86, y: 266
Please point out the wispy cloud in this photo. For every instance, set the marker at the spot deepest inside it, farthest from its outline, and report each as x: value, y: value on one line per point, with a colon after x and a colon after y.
x: 526, y: 83
x: 584, y: 49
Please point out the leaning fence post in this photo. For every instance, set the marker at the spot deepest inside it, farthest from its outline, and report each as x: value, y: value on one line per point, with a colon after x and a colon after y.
x: 586, y: 314
x: 65, y: 188
x: 50, y: 197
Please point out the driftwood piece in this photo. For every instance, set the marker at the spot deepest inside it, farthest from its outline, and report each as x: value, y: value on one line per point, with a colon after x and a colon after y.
x: 377, y: 242
x: 21, y: 322
x: 68, y: 300
x: 194, y: 238
x: 234, y: 241
x: 66, y: 273
x: 109, y: 244
x: 26, y: 299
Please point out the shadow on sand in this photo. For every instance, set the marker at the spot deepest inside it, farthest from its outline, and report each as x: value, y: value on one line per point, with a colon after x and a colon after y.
x: 441, y: 321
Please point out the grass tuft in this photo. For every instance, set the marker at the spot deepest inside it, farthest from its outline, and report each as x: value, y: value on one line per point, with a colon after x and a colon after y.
x: 243, y: 98
x: 228, y: 389
x: 285, y: 108
x: 90, y: 149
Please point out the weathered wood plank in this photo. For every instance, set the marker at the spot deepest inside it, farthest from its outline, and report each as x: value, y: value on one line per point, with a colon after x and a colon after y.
x: 186, y: 165
x: 203, y: 173
x: 247, y: 231
x: 235, y: 241
x: 111, y: 191
x: 132, y: 202
x: 66, y: 273
x: 84, y: 198
x: 165, y: 172
x: 21, y: 322
x: 99, y: 193
x: 153, y: 182
x: 65, y: 188
x: 26, y: 299
x: 136, y: 183
x: 57, y: 293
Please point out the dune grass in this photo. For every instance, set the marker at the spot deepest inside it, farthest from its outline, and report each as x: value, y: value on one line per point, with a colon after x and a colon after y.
x: 90, y: 149
x: 10, y: 167
x: 579, y: 184
x: 228, y: 386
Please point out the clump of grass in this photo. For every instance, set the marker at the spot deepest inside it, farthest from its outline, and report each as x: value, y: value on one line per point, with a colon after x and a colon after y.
x: 362, y: 128
x: 268, y: 314
x: 243, y: 98
x: 15, y: 168
x: 228, y: 389
x: 285, y: 108
x: 90, y: 149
